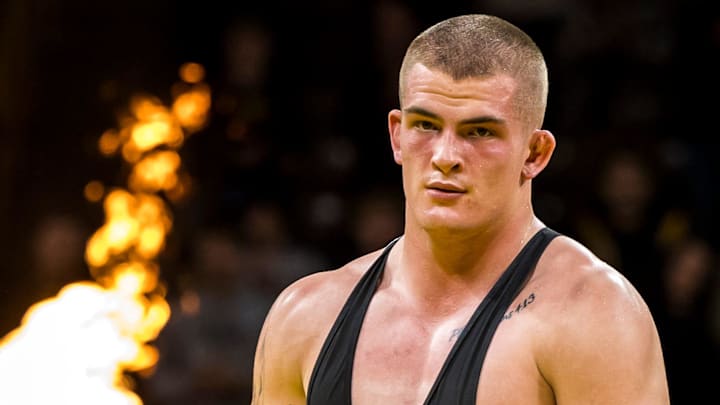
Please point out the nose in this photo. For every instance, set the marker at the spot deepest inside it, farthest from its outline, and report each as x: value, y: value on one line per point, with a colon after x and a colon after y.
x: 446, y: 157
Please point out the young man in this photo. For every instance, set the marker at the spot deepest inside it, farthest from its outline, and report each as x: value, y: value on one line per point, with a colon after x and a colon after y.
x: 477, y: 302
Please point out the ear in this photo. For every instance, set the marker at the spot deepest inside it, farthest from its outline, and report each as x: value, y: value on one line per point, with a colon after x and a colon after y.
x: 394, y: 125
x: 541, y: 146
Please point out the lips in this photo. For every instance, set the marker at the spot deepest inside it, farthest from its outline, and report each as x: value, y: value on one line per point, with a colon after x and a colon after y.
x: 445, y: 186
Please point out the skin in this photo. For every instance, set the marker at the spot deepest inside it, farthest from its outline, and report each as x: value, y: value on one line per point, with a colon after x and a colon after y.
x: 578, y: 332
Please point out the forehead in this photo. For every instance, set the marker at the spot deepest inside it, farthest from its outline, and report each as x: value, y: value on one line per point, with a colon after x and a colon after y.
x: 439, y: 92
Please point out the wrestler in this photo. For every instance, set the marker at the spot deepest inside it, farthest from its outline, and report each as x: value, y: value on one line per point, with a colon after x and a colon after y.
x: 477, y: 302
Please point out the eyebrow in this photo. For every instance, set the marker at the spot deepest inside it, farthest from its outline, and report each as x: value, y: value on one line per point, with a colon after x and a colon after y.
x: 483, y: 119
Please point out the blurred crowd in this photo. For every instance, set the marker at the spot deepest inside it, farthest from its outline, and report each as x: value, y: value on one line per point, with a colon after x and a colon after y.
x: 294, y: 173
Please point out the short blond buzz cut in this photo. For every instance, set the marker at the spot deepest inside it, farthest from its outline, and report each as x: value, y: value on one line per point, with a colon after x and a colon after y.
x: 478, y: 45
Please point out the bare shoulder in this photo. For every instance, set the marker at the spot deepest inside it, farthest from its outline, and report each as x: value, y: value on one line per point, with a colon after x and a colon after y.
x: 295, y: 329
x: 579, y: 278
x: 585, y: 293
x: 319, y: 295
x: 600, y: 344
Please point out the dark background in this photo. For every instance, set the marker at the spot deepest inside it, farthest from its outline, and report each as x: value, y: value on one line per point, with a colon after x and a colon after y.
x: 294, y: 174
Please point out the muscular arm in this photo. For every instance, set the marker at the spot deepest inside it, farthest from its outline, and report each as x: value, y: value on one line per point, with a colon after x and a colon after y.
x: 294, y: 331
x: 277, y: 372
x: 605, y: 347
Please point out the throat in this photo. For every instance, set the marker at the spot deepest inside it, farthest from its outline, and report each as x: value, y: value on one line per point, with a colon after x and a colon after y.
x: 441, y: 293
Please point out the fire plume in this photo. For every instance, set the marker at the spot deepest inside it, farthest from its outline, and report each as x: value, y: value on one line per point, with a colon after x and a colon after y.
x: 79, y: 346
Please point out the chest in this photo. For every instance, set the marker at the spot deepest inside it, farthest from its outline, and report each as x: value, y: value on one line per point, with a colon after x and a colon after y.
x: 399, y: 357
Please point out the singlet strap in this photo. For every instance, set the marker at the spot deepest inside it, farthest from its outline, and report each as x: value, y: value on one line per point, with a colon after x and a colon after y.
x: 330, y: 382
x: 458, y: 380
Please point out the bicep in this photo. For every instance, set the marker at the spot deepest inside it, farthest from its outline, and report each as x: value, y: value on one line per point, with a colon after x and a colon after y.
x: 276, y: 369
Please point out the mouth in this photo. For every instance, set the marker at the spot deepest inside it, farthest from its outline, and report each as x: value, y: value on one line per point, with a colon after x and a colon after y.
x: 446, y: 187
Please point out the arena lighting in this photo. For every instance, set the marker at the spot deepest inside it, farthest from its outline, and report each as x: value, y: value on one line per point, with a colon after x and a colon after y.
x: 80, y: 346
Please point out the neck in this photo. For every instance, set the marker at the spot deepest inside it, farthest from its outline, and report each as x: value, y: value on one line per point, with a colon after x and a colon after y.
x: 447, y: 267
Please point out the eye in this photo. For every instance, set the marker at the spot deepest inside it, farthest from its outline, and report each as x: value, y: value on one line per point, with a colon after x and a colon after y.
x: 479, y: 132
x: 423, y: 125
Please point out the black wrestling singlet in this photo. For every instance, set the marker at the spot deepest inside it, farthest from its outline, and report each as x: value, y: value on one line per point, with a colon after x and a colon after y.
x: 330, y: 383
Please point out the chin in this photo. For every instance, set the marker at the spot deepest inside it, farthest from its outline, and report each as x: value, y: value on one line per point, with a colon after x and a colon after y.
x: 454, y: 223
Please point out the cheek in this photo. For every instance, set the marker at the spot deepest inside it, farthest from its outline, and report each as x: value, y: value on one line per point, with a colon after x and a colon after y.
x: 494, y: 166
x: 415, y: 162
x: 496, y: 150
x: 415, y: 143
x: 507, y: 155
x: 415, y: 149
x: 490, y: 158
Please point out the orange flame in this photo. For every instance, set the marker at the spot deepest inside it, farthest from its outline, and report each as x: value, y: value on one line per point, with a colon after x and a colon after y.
x: 76, y: 348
